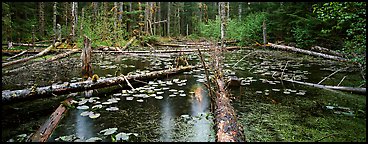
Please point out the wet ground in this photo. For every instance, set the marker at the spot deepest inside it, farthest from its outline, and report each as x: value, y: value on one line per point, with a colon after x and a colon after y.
x: 177, y: 108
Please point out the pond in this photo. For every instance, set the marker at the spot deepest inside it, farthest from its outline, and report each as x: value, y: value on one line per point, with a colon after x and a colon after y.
x: 176, y: 108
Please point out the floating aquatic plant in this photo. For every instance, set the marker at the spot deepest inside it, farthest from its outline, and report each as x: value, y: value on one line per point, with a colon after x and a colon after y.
x: 112, y: 109
x: 109, y: 131
x: 83, y: 107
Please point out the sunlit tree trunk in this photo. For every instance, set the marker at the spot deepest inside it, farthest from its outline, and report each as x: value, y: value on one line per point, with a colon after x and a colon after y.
x: 54, y: 22
x: 159, y: 19
x: 41, y: 18
x: 141, y: 18
x: 240, y: 10
x: 200, y: 11
x: 115, y: 15
x: 228, y: 10
x: 264, y: 34
x: 146, y: 21
x: 73, y: 21
x: 168, y: 19
x: 223, y: 23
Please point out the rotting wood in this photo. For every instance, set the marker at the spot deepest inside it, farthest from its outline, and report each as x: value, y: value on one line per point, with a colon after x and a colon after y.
x: 86, y: 57
x: 16, y: 95
x: 31, y: 57
x: 342, y: 88
x: 283, y: 47
x: 17, y: 55
x: 45, y: 131
x: 62, y: 55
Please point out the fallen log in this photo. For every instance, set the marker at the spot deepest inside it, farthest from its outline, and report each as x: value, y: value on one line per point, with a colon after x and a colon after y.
x: 283, y: 47
x: 37, y: 50
x: 129, y: 42
x: 17, y: 55
x: 38, y: 92
x: 62, y: 55
x: 227, y: 128
x: 113, y: 49
x: 326, y: 50
x: 31, y: 57
x: 342, y: 88
x: 45, y: 131
x: 29, y: 45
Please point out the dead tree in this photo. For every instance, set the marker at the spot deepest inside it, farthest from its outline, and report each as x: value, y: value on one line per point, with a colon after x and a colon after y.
x: 41, y: 18
x: 86, y: 58
x: 168, y: 19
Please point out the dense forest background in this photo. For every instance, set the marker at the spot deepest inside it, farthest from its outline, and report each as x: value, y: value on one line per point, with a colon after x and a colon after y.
x: 335, y: 25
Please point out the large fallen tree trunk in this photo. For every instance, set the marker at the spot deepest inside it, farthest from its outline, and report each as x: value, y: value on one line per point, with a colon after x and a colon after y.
x: 45, y: 131
x: 16, y: 95
x: 37, y: 50
x: 29, y: 45
x: 227, y: 127
x: 31, y: 57
x: 48, y: 60
x: 283, y: 47
x: 113, y: 49
x: 342, y: 88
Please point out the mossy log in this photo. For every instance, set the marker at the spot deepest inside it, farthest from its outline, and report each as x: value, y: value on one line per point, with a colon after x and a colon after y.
x: 283, y: 47
x: 45, y: 131
x: 31, y: 57
x: 342, y: 88
x: 38, y: 92
x: 227, y: 128
x: 326, y: 50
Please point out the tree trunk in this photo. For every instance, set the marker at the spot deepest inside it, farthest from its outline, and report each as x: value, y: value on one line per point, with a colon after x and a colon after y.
x: 95, y: 10
x: 342, y: 88
x: 159, y: 29
x: 17, y: 95
x: 49, y: 60
x: 227, y: 128
x: 146, y: 21
x: 41, y: 18
x: 31, y: 57
x: 66, y: 5
x: 45, y: 131
x: 129, y: 42
x: 17, y: 55
x: 28, y: 45
x: 200, y: 11
x: 240, y: 10
x: 283, y: 47
x: 54, y: 22
x: 73, y: 21
x: 326, y: 50
x: 228, y: 10
x: 223, y: 23
x: 264, y: 34
x: 86, y: 57
x: 168, y: 19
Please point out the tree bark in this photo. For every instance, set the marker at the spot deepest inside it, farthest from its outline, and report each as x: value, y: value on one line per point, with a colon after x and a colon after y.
x: 264, y: 33
x: 326, y: 50
x: 168, y: 19
x: 129, y: 42
x: 54, y: 22
x: 223, y: 24
x: 31, y: 57
x: 73, y: 21
x: 17, y: 55
x: 45, y: 131
x: 86, y: 57
x: 17, y: 95
x: 41, y: 18
x: 240, y: 10
x: 342, y: 88
x: 28, y: 45
x: 283, y: 47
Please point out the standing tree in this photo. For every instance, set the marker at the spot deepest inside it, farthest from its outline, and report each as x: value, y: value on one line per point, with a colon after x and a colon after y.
x: 240, y: 10
x: 54, y: 22
x: 223, y: 24
x: 41, y: 18
x: 168, y: 19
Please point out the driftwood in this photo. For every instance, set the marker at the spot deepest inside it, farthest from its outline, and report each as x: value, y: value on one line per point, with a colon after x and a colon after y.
x: 326, y: 50
x: 45, y: 131
x: 15, y: 95
x: 342, y: 88
x: 283, y: 47
x: 17, y: 55
x: 86, y: 56
x: 62, y: 55
x: 330, y: 75
x: 29, y: 45
x: 227, y: 128
x: 31, y: 57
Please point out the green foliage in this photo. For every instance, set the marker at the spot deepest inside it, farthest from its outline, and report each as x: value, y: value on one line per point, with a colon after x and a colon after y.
x: 211, y: 29
x: 348, y: 18
x: 149, y: 39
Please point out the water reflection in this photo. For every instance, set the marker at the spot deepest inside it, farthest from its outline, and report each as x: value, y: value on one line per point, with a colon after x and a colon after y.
x: 166, y: 121
x: 202, y: 127
x: 84, y: 126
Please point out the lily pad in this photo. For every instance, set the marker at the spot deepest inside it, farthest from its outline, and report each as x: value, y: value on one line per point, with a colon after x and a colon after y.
x: 122, y: 136
x: 68, y: 138
x: 97, y: 106
x: 109, y: 131
x: 159, y: 97
x: 183, y: 95
x: 94, y: 115
x: 83, y: 107
x: 112, y: 109
x: 93, y: 139
x: 140, y: 100
x: 107, y: 103
x: 160, y: 93
x: 86, y: 113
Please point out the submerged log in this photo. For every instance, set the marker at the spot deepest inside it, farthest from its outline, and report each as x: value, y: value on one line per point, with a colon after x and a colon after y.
x: 16, y: 95
x: 283, y: 47
x: 48, y: 60
x: 45, y: 131
x: 31, y: 57
x: 342, y: 88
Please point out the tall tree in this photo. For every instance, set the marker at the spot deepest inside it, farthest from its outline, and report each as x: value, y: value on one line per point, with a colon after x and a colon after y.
x: 240, y: 10
x: 41, y: 18
x: 54, y: 21
x: 228, y: 10
x: 223, y: 23
x: 74, y: 20
x: 168, y: 19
